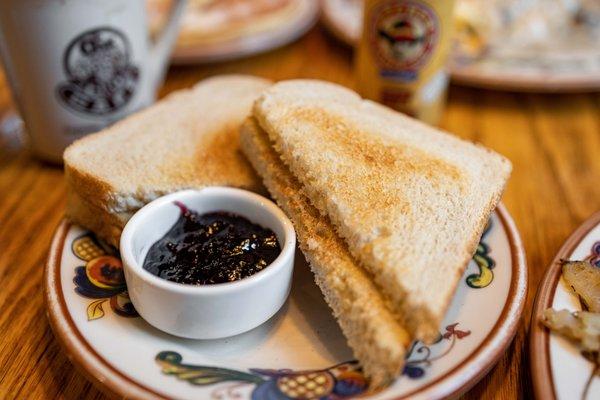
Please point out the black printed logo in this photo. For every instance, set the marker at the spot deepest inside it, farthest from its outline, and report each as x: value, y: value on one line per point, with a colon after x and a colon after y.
x: 100, y: 76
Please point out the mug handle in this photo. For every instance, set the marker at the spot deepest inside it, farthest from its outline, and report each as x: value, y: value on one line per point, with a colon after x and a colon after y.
x: 161, y: 49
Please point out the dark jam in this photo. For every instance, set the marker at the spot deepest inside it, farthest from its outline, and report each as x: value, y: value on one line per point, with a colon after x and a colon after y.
x: 211, y: 248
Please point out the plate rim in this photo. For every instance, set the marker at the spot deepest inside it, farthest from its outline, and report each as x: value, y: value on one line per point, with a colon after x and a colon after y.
x: 539, y: 337
x: 453, y: 383
x: 337, y: 31
x: 103, y: 375
x: 545, y: 83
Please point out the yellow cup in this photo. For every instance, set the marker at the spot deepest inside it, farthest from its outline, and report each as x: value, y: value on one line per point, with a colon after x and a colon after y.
x: 402, y: 55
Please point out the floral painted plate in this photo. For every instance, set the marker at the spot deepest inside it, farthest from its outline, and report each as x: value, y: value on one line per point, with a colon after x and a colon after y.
x: 559, y: 370
x: 299, y: 354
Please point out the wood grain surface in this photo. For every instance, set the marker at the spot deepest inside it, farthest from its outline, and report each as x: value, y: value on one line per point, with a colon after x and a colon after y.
x: 553, y: 142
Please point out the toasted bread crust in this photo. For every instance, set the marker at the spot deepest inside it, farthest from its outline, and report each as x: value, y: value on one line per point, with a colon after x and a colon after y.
x: 105, y: 225
x: 410, y: 201
x: 377, y: 339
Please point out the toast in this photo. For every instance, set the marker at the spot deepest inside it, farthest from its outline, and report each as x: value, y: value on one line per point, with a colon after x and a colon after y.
x: 188, y: 140
x: 104, y: 224
x: 373, y: 333
x: 410, y: 201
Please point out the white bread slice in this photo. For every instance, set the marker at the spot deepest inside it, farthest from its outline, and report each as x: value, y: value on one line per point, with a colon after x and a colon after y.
x: 376, y: 338
x: 187, y: 140
x: 410, y: 201
x: 104, y: 224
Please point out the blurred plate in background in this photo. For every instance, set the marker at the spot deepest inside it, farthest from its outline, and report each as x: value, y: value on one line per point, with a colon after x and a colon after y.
x: 534, y: 45
x: 219, y: 30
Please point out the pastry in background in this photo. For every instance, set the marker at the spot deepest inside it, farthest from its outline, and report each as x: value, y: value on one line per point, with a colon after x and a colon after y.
x: 483, y: 23
x: 525, y: 24
x: 213, y: 21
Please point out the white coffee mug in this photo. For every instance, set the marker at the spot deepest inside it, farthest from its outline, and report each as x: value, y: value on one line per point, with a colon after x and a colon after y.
x: 76, y: 66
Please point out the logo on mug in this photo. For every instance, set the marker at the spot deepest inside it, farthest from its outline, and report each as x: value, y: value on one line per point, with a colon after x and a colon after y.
x: 100, y: 76
x: 403, y: 35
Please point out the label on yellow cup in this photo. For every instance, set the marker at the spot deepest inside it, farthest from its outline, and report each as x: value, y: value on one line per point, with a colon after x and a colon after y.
x: 402, y: 53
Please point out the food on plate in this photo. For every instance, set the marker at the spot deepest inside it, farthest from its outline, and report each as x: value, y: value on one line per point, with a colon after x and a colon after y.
x: 584, y: 278
x: 514, y: 29
x: 188, y: 140
x: 535, y: 25
x: 377, y: 196
x: 212, y: 21
x: 215, y: 247
x: 410, y: 201
x: 581, y: 327
x: 372, y: 331
x: 388, y: 211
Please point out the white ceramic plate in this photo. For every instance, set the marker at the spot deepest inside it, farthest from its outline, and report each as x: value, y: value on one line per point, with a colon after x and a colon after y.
x: 300, y: 351
x: 301, y: 22
x: 552, y: 69
x: 559, y: 370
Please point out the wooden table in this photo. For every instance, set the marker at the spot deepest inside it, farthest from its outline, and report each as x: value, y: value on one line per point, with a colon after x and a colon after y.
x: 553, y: 142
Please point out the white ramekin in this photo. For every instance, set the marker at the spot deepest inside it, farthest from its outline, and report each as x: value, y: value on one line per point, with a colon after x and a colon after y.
x: 206, y: 311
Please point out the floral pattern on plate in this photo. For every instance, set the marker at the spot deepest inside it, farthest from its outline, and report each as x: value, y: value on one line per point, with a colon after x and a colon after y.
x: 303, y: 338
x: 340, y: 381
x: 484, y: 262
x: 101, y: 278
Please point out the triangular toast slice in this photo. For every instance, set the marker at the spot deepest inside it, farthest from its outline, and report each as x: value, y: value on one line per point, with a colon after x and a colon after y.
x: 373, y: 333
x: 187, y: 140
x: 410, y: 201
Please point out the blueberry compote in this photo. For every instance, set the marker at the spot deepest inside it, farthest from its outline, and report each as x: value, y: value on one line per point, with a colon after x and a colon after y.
x: 216, y: 247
